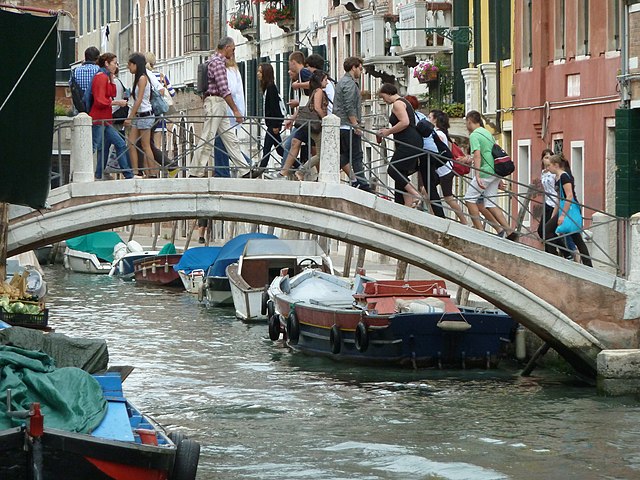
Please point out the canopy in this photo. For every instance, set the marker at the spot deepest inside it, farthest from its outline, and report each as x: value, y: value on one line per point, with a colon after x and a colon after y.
x: 197, y: 258
x: 231, y: 252
x: 168, y: 249
x: 28, y: 52
x: 70, y: 399
x: 282, y: 248
x: 100, y: 244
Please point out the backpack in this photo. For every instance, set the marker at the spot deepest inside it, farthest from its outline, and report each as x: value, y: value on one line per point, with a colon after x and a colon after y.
x: 87, y: 97
x: 503, y: 166
x: 425, y: 128
x: 77, y: 95
x: 202, y: 78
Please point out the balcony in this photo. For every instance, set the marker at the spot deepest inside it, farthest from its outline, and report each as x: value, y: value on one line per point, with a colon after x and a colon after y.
x: 424, y: 30
x: 182, y: 70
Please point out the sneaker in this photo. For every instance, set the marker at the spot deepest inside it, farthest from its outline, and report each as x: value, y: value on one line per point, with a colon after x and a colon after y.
x: 201, y: 240
x: 275, y: 176
x: 361, y: 186
x: 112, y: 169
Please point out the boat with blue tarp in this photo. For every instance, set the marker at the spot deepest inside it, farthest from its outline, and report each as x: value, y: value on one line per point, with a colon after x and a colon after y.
x: 193, y: 265
x: 215, y: 286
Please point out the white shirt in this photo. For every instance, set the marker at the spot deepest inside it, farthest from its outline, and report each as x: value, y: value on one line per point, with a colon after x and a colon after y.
x: 237, y: 93
x: 548, y: 180
x: 145, y: 106
x: 330, y: 90
x: 447, y: 167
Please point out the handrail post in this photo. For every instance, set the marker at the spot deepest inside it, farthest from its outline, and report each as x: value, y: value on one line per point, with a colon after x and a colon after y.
x: 330, y: 154
x: 634, y: 249
x: 603, y: 250
x: 81, y: 150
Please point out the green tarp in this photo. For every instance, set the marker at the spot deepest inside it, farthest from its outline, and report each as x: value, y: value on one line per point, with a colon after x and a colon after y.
x: 70, y: 399
x: 168, y: 249
x: 99, y: 243
x: 26, y: 119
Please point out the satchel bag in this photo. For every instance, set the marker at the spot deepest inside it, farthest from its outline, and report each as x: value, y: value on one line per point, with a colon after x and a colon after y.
x: 503, y: 166
x: 158, y: 104
x: 458, y: 167
x: 308, y: 116
x: 573, y: 218
x: 120, y: 115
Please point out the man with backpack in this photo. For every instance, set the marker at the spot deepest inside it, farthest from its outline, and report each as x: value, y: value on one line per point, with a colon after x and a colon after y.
x: 80, y: 79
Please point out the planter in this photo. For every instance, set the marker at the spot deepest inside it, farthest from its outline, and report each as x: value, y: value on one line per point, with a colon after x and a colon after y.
x: 286, y: 25
x: 428, y: 77
x: 249, y: 33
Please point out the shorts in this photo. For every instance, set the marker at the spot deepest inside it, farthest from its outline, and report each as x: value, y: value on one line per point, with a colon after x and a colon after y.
x: 446, y: 184
x: 143, y: 123
x: 203, y: 222
x: 475, y: 194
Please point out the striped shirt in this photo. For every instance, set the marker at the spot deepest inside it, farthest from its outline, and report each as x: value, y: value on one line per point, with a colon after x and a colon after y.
x: 166, y: 83
x: 217, y: 75
x: 84, y: 73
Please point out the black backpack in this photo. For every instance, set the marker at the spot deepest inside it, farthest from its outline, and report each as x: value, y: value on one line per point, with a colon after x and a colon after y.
x: 202, y: 78
x: 425, y: 128
x: 77, y: 95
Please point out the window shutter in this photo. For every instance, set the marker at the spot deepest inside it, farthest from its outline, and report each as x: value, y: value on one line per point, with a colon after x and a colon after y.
x: 251, y: 84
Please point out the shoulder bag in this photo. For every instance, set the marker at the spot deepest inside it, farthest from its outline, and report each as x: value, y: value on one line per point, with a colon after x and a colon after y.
x: 459, y: 167
x: 158, y: 104
x: 573, y: 218
x: 503, y: 166
x: 308, y: 116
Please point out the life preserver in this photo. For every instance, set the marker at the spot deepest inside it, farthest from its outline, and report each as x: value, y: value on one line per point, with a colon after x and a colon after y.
x: 335, y: 339
x: 293, y: 328
x: 185, y: 464
x: 274, y: 327
x: 263, y: 305
x: 361, y: 337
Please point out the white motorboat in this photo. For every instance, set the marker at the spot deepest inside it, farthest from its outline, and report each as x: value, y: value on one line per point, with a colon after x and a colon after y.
x: 123, y: 257
x: 92, y: 253
x: 261, y: 261
x: 193, y: 265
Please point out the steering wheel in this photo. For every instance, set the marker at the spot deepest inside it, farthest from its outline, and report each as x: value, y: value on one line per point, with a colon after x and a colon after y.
x: 308, y: 263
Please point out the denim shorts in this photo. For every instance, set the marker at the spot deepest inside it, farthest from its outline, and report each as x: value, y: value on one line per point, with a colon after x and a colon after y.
x: 143, y: 123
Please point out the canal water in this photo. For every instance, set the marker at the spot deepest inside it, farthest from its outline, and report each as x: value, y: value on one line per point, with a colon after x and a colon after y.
x: 263, y: 412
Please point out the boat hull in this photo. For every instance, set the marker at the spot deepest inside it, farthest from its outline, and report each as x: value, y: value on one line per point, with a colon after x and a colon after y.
x: 158, y: 270
x: 246, y: 299
x: 217, y: 291
x: 83, y: 262
x: 192, y: 281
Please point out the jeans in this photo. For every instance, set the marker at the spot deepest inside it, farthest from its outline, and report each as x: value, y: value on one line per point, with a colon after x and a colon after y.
x: 221, y: 159
x: 351, y: 152
x: 271, y: 140
x: 103, y: 137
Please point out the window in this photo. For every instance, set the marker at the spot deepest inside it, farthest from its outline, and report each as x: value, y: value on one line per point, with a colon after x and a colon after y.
x: 196, y: 25
x: 94, y: 15
x: 577, y: 168
x: 347, y: 45
x: 558, y: 144
x: 573, y: 85
x: 527, y: 61
x: 614, y: 16
x: 582, y: 44
x: 334, y: 57
x: 136, y: 28
x: 499, y: 31
x: 560, y: 33
x: 81, y: 13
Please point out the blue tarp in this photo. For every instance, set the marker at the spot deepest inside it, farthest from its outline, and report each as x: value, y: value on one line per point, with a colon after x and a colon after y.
x: 99, y: 243
x: 197, y: 258
x: 231, y: 252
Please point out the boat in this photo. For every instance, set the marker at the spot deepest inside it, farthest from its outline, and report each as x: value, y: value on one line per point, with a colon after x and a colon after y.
x: 390, y: 322
x: 193, y: 265
x: 215, y: 290
x: 91, y: 253
x: 158, y: 269
x: 261, y: 261
x: 124, y: 255
x: 94, y: 432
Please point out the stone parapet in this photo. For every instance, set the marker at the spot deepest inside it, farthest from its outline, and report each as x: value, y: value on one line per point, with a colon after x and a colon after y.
x: 618, y: 372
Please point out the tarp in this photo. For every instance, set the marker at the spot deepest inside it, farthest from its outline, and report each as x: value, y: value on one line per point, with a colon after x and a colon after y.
x: 197, y: 258
x: 26, y: 120
x: 70, y: 399
x: 168, y: 249
x: 231, y: 252
x: 91, y: 355
x: 99, y: 243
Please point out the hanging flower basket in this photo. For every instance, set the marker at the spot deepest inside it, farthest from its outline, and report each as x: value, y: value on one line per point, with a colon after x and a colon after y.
x: 240, y: 22
x: 282, y: 15
x: 426, y: 72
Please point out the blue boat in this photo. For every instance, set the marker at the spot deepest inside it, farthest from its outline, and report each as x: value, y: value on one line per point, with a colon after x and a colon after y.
x: 215, y: 286
x: 193, y: 266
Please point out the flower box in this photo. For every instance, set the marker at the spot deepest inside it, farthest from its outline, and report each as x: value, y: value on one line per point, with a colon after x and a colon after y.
x: 283, y: 15
x: 240, y: 21
x: 426, y: 71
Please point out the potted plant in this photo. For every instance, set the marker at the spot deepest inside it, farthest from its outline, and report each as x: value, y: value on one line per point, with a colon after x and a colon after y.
x: 277, y: 15
x: 240, y: 21
x: 426, y: 71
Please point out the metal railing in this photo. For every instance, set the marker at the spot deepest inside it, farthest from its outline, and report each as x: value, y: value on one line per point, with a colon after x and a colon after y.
x: 606, y: 234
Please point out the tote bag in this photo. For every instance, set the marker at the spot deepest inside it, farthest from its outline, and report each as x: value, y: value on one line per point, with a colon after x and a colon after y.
x: 158, y: 104
x: 572, y: 220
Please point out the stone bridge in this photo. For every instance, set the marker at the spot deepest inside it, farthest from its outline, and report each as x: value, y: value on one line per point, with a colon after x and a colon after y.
x: 577, y: 310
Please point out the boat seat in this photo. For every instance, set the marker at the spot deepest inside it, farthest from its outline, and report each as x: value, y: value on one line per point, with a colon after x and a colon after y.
x: 328, y: 302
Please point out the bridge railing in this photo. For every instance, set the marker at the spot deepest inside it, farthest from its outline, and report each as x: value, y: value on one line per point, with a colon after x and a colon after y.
x: 606, y: 235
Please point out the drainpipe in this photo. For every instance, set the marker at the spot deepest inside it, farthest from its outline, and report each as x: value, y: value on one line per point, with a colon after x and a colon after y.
x: 625, y: 96
x: 497, y: 39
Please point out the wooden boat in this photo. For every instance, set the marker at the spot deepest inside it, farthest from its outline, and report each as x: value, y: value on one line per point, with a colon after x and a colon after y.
x: 216, y: 290
x: 260, y: 262
x: 384, y: 322
x: 124, y: 446
x: 27, y: 265
x: 92, y: 253
x: 193, y: 265
x: 158, y: 270
x: 124, y: 256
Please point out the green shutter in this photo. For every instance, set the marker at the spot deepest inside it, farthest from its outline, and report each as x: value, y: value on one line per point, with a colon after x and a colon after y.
x: 322, y: 51
x: 460, y: 51
x: 251, y: 84
x: 500, y: 28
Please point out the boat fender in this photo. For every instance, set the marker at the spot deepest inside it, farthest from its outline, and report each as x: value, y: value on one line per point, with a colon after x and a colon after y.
x: 361, y: 337
x: 263, y: 305
x: 453, y: 325
x: 177, y: 437
x: 185, y: 464
x: 293, y: 328
x: 153, y: 268
x: 274, y: 327
x: 201, y: 293
x: 166, y: 267
x: 271, y: 308
x: 335, y: 339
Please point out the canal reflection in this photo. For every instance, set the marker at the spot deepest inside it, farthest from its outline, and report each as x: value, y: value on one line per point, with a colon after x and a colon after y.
x: 261, y: 411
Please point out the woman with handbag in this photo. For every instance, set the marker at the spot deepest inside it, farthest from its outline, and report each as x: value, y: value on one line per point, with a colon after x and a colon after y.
x: 567, y: 219
x: 408, y: 145
x: 548, y: 180
x: 141, y: 118
x: 307, y: 120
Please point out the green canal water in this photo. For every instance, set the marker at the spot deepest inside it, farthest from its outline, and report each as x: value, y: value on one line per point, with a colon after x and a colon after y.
x: 261, y: 411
